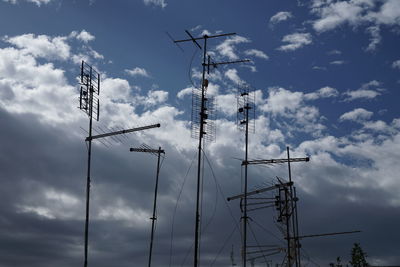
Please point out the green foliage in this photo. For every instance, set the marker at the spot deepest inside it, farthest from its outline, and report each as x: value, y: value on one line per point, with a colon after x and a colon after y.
x: 358, y: 257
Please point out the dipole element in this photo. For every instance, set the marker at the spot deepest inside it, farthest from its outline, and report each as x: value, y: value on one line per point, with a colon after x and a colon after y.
x: 202, y: 124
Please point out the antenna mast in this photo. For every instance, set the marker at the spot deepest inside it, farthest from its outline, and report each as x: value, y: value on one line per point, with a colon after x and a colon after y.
x: 246, y: 112
x: 203, y: 120
x: 146, y: 149
x: 90, y: 104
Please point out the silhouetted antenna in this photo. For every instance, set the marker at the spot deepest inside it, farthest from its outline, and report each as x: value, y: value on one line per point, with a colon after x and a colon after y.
x: 89, y: 91
x: 209, y: 115
x: 246, y: 106
x: 89, y: 103
x: 245, y: 121
x: 202, y: 106
x: 285, y: 201
x: 146, y: 149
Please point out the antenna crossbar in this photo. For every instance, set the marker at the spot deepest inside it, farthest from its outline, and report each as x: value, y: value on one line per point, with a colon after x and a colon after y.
x: 203, y: 37
x: 147, y: 150
x: 274, y: 161
x: 258, y: 191
x: 122, y: 132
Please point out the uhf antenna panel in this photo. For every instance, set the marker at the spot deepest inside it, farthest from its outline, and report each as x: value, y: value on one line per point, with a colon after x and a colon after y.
x: 89, y: 91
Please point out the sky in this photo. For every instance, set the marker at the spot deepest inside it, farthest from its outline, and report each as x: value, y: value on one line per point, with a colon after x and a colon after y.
x: 326, y: 79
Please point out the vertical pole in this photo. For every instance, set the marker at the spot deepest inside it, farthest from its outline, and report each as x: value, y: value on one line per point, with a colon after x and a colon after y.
x: 293, y: 211
x: 88, y: 167
x: 247, y: 108
x: 287, y: 227
x: 154, y: 206
x: 290, y: 208
x: 196, y: 237
x: 297, y: 229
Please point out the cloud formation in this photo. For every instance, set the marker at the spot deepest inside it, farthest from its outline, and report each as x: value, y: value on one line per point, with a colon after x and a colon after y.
x: 295, y: 41
x: 280, y: 16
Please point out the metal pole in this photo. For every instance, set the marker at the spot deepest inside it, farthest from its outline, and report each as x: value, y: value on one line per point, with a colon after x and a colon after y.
x: 287, y: 228
x: 154, y: 206
x: 247, y: 108
x: 291, y: 200
x: 196, y: 238
x: 297, y: 228
x: 88, y: 168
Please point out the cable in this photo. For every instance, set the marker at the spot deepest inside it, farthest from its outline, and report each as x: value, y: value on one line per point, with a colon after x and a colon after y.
x: 254, y: 236
x: 190, y: 69
x: 223, y: 246
x: 176, y: 206
x: 221, y: 192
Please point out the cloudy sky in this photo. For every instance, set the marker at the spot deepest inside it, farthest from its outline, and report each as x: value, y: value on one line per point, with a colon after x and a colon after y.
x: 327, y: 78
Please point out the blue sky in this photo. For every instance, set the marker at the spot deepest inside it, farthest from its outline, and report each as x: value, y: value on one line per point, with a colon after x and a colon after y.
x: 326, y: 77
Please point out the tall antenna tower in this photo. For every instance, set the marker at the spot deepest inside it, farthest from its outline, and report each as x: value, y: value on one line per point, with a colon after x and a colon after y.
x: 90, y: 104
x: 246, y: 122
x: 200, y: 119
x: 146, y: 149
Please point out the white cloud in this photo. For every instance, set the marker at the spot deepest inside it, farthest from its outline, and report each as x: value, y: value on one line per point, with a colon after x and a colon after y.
x: 368, y: 90
x: 42, y: 45
x: 256, y: 53
x: 227, y: 104
x: 396, y: 64
x: 232, y: 75
x: 160, y: 3
x: 361, y: 93
x: 280, y: 16
x: 83, y: 36
x: 295, y: 41
x: 358, y: 114
x: 37, y: 2
x: 337, y: 62
x: 323, y: 92
x: 137, y: 72
x: 375, y: 39
x: 155, y: 97
x: 227, y: 47
x: 40, y: 89
x: 184, y: 92
x: 333, y: 14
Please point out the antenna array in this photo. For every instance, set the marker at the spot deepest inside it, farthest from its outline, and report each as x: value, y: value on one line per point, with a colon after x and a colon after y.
x: 90, y: 90
x: 209, y: 115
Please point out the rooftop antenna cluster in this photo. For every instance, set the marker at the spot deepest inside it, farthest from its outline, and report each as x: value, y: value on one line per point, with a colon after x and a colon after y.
x: 90, y: 104
x: 202, y: 125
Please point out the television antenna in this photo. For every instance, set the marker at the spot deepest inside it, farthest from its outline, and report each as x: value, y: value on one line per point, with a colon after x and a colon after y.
x: 90, y: 104
x: 146, y: 149
x: 200, y: 107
